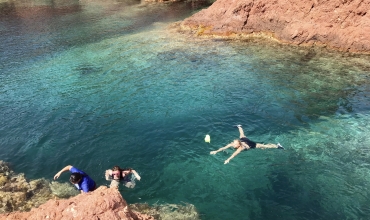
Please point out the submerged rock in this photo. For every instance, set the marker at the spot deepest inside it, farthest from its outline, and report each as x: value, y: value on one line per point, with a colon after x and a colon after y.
x: 339, y: 24
x: 63, y: 190
x: 167, y: 211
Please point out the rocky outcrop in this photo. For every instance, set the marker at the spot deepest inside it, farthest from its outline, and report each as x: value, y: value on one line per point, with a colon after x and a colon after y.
x: 103, y: 203
x: 44, y: 200
x: 340, y: 24
x: 18, y: 194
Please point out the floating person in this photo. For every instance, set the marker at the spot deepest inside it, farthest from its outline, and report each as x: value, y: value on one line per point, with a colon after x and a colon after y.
x: 79, y: 178
x: 116, y: 175
x: 243, y: 143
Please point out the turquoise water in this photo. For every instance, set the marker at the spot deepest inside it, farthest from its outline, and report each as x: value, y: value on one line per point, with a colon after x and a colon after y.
x: 98, y: 84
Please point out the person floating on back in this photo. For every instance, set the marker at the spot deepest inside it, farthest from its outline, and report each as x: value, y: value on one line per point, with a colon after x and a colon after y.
x: 79, y: 178
x: 117, y: 175
x: 243, y: 143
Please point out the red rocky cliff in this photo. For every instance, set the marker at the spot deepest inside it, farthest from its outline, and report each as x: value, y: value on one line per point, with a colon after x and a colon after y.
x: 338, y: 24
x: 103, y: 203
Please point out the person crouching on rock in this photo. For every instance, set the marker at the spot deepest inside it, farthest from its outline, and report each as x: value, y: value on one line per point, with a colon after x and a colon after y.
x: 79, y: 178
x: 116, y: 174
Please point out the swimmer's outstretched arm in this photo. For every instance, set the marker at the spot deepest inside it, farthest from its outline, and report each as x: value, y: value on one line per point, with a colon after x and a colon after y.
x: 67, y: 168
x: 222, y: 148
x: 108, y: 173
x: 233, y: 155
x: 136, y: 175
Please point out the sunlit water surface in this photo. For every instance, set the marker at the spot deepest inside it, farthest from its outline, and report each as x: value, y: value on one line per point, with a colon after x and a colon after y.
x: 98, y: 84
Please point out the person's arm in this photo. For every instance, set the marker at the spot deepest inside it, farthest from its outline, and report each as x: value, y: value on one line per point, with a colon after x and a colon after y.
x: 136, y: 175
x: 67, y: 168
x: 222, y: 148
x: 108, y: 174
x: 233, y: 155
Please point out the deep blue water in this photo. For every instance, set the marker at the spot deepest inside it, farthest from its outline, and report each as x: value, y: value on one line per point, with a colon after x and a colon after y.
x: 98, y: 84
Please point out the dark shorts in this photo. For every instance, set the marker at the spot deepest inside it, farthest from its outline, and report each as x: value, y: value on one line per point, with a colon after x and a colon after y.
x: 250, y: 143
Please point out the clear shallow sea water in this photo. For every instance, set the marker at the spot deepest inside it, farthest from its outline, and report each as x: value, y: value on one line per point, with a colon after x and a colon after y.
x: 98, y: 84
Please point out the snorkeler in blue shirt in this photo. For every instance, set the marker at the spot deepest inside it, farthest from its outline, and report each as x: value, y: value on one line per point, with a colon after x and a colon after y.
x: 79, y: 178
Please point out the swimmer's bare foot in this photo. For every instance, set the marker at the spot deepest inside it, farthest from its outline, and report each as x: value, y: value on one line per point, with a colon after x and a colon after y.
x: 280, y: 147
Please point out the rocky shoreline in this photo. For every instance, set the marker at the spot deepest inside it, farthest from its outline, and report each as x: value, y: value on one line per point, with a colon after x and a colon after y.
x: 103, y: 203
x: 42, y: 199
x: 18, y: 194
x: 340, y: 24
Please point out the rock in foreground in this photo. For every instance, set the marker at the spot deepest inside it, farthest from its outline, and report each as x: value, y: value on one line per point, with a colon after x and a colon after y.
x: 103, y: 203
x: 340, y: 24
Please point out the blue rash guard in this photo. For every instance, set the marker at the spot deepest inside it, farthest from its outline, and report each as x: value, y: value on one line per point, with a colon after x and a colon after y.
x: 86, y: 184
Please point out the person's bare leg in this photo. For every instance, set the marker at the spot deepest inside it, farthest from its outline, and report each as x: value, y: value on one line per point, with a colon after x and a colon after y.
x: 265, y: 146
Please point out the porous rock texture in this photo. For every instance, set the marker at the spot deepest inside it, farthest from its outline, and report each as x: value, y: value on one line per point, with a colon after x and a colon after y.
x: 103, y: 203
x: 339, y: 24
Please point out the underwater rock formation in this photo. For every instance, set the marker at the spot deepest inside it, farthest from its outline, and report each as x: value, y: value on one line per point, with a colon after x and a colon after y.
x: 339, y: 24
x: 167, y: 211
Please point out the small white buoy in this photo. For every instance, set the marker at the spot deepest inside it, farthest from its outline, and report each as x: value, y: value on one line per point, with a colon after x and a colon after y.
x: 207, y: 138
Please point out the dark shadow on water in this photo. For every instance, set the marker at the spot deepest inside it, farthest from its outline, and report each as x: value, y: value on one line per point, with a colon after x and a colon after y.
x: 305, y: 196
x: 180, y: 56
x: 6, y: 9
x: 313, y: 82
x: 14, y: 11
x: 308, y: 56
x: 288, y: 200
x: 88, y: 69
